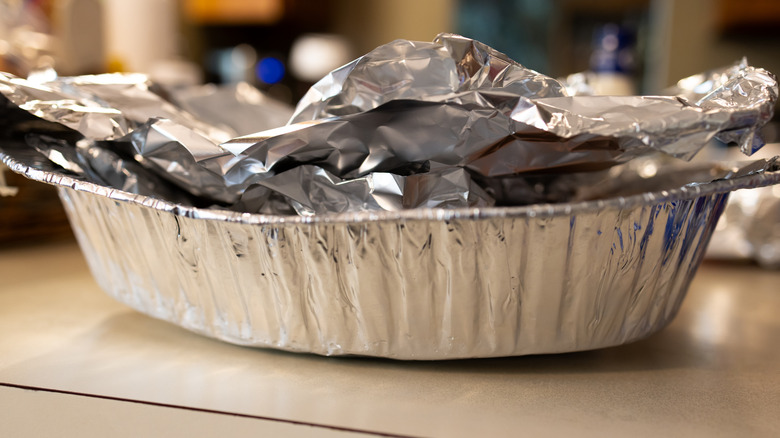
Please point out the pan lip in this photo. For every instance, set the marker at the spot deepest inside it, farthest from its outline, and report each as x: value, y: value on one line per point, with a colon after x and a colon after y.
x: 546, y: 210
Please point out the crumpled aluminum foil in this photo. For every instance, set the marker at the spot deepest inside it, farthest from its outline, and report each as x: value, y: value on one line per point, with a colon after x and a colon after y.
x: 131, y: 133
x: 451, y: 123
x: 749, y: 228
x: 237, y: 109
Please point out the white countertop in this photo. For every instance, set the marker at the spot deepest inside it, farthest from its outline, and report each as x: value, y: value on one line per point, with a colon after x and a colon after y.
x: 102, y: 369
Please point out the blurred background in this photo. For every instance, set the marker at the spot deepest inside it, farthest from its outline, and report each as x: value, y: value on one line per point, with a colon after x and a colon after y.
x: 283, y: 46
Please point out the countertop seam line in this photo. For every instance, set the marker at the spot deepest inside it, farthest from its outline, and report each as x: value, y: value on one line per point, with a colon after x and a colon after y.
x: 204, y: 410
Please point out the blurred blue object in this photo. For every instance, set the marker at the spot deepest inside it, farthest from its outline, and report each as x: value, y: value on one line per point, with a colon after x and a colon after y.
x: 270, y: 70
x: 613, y: 49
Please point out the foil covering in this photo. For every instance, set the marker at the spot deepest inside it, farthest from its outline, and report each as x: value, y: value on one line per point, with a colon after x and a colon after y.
x: 413, y: 284
x: 237, y: 109
x: 451, y: 123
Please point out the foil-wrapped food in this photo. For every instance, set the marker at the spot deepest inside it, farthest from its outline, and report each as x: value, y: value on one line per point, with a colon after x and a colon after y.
x: 426, y: 201
x: 451, y: 123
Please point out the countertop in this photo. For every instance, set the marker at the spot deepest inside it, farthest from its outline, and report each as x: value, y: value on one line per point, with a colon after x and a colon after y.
x: 73, y: 362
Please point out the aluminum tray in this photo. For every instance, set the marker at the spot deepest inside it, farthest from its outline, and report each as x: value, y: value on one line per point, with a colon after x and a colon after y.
x: 417, y: 284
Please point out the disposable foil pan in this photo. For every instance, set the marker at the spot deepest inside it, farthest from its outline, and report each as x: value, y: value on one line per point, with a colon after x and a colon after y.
x: 416, y: 284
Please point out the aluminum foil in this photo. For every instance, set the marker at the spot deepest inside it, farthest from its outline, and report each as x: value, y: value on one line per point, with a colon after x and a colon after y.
x: 131, y: 133
x: 237, y: 109
x: 420, y: 284
x: 352, y: 254
x: 749, y: 228
x: 450, y: 123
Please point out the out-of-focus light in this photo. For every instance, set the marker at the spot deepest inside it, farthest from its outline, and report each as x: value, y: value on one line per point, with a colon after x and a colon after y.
x: 714, y: 319
x: 648, y: 170
x: 234, y: 64
x: 749, y: 201
x: 234, y: 11
x: 313, y: 56
x: 270, y: 70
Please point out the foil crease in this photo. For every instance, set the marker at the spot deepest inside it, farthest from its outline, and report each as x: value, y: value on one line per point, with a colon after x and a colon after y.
x: 449, y: 123
x: 729, y: 87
